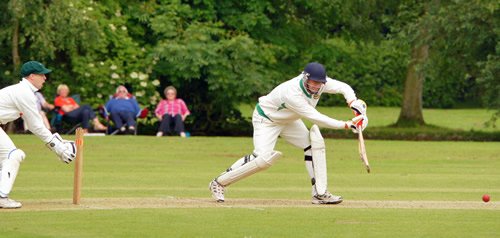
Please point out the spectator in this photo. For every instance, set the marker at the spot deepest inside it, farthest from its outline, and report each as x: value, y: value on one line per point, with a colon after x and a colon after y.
x: 75, y: 113
x: 171, y: 111
x: 123, y: 109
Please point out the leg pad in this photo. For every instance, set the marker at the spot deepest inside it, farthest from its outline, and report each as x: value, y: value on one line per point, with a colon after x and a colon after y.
x: 261, y: 162
x: 319, y: 160
x: 10, y: 167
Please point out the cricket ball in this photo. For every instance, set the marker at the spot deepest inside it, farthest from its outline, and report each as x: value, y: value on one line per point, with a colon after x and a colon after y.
x: 486, y: 198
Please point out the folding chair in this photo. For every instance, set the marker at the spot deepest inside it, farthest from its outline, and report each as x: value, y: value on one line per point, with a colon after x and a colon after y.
x: 58, y: 119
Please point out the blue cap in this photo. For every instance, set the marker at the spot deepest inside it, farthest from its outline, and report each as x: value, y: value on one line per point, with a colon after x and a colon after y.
x: 316, y: 72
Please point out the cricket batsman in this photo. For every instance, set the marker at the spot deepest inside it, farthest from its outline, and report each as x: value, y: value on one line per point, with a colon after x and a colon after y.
x: 19, y: 100
x: 279, y: 114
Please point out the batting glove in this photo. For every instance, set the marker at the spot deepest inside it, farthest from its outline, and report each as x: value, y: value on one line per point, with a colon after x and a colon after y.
x: 359, y: 121
x: 358, y: 107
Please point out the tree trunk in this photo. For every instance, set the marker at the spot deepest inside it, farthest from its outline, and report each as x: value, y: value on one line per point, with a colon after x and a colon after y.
x: 15, y: 46
x: 16, y: 60
x: 411, y: 109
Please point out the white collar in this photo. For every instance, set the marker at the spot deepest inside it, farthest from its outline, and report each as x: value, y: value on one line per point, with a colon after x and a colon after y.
x: 33, y: 88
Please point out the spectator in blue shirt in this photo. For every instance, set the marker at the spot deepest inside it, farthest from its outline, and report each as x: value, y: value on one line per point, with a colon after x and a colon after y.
x: 123, y: 109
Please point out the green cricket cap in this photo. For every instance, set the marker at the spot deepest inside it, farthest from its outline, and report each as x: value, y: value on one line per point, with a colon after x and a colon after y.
x: 34, y: 67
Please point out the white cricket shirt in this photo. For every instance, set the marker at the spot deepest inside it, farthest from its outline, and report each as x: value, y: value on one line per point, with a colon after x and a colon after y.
x: 19, y: 100
x: 290, y: 101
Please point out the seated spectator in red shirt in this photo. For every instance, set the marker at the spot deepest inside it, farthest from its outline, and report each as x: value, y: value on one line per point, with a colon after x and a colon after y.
x: 171, y: 111
x: 74, y: 112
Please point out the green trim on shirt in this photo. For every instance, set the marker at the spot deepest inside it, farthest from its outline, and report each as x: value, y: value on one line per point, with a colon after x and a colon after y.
x: 303, y: 89
x: 283, y: 106
x: 261, y: 112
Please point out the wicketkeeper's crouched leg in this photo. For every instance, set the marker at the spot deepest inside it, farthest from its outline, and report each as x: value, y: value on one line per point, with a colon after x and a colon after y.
x: 8, y: 174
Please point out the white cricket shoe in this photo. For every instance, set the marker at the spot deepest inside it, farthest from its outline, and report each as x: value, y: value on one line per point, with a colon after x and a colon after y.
x: 326, y: 198
x: 9, y: 203
x: 217, y: 190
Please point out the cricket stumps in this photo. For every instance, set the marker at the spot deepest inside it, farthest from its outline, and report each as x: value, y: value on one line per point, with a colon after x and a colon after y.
x: 77, y: 187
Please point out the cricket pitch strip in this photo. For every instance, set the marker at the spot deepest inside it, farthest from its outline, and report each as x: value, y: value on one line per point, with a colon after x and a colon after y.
x: 261, y: 204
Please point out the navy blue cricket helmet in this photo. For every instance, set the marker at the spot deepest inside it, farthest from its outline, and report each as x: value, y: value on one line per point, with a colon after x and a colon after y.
x: 316, y: 72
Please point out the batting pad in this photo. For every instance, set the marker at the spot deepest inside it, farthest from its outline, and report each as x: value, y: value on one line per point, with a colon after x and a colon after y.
x: 261, y: 162
x: 8, y: 172
x: 319, y: 160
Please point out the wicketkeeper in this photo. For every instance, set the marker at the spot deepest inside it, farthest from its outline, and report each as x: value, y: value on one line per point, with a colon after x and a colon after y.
x: 19, y: 100
x: 279, y: 114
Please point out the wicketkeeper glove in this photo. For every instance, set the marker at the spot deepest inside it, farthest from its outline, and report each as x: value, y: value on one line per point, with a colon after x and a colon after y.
x: 65, y: 150
x: 359, y: 121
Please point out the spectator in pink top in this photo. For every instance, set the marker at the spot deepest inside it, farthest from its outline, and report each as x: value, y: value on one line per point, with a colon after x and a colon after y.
x: 171, y: 111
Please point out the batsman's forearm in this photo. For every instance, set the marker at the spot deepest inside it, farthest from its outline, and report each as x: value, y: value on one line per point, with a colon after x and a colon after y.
x: 336, y: 124
x: 328, y: 122
x: 310, y: 113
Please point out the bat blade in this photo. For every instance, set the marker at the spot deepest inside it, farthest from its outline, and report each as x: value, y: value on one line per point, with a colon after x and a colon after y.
x: 362, y: 150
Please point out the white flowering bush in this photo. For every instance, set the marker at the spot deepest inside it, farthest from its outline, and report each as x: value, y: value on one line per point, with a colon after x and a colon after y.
x: 116, y: 60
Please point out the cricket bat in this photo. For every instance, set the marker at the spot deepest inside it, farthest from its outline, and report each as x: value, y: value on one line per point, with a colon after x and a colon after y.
x: 362, y: 149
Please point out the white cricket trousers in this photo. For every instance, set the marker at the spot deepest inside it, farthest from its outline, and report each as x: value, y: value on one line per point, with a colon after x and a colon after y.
x: 266, y: 132
x: 6, y: 146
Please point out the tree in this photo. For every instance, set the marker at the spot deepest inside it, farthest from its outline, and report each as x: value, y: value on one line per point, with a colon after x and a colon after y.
x: 223, y: 53
x: 464, y: 51
x: 376, y: 21
x: 39, y: 31
x: 85, y: 43
x: 215, y: 67
x: 411, y: 107
x: 490, y: 80
x: 452, y: 45
x: 45, y: 32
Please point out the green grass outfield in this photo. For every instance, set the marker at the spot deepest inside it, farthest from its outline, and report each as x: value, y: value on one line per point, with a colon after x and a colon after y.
x: 146, y: 186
